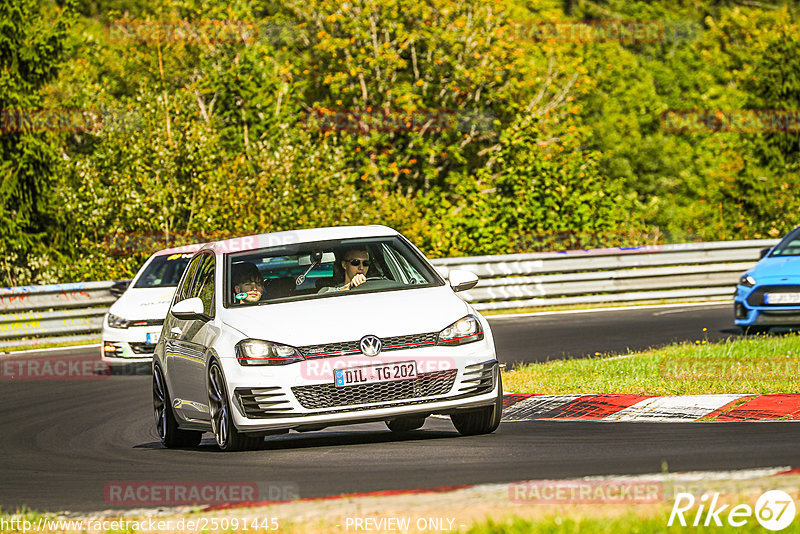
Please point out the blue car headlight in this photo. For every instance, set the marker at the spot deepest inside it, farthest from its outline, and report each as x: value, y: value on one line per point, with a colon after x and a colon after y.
x: 747, y: 280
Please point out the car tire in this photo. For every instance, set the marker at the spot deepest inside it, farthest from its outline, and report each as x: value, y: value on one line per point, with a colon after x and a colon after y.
x: 166, y: 425
x: 755, y: 330
x: 484, y: 420
x: 405, y: 424
x: 227, y: 436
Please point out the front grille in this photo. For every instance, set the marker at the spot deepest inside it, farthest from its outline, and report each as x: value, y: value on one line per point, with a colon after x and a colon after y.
x: 330, y: 396
x: 327, y: 350
x: 756, y: 298
x: 263, y: 402
x: 142, y: 348
x: 778, y: 318
x: 478, y: 378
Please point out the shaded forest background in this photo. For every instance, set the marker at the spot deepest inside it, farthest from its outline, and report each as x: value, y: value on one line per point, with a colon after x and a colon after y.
x: 468, y: 125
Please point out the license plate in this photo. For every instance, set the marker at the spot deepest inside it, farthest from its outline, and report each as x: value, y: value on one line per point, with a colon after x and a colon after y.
x: 152, y: 338
x: 379, y: 372
x: 781, y: 298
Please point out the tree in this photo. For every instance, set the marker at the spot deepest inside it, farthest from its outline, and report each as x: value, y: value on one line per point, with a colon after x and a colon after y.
x: 31, y: 48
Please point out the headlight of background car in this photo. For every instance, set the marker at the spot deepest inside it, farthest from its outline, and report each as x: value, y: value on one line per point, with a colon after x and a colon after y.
x: 258, y: 352
x: 747, y: 280
x: 115, y: 321
x: 465, y: 330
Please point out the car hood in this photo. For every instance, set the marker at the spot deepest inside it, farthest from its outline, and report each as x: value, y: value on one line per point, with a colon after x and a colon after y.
x: 144, y: 303
x: 777, y: 268
x: 350, y: 317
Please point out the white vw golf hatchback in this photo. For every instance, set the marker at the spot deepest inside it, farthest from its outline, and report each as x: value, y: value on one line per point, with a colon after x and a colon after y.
x: 133, y: 323
x: 313, y: 328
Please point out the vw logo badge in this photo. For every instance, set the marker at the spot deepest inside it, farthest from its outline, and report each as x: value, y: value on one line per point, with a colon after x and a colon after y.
x: 371, y: 345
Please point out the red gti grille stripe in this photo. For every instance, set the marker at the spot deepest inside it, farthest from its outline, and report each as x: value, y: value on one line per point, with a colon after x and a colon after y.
x: 410, y: 345
x: 335, y: 352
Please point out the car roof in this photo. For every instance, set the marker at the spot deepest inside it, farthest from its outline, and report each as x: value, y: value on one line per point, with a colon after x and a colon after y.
x: 183, y: 249
x: 309, y: 235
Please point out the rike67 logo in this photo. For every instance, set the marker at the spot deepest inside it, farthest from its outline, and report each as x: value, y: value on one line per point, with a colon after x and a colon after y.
x: 774, y: 510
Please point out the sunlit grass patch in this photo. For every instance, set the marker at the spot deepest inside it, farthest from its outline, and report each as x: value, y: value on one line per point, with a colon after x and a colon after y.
x: 758, y: 364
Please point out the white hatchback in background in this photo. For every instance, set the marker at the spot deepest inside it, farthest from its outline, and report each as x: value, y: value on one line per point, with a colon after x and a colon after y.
x: 132, y: 326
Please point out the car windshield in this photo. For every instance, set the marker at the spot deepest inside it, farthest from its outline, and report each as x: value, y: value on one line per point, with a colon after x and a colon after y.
x: 789, y: 246
x: 164, y: 271
x: 323, y: 269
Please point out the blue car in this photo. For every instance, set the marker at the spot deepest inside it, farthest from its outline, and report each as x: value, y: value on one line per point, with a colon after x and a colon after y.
x: 769, y: 294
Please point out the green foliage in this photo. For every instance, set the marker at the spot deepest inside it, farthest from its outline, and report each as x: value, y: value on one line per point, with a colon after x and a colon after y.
x: 449, y: 120
x: 31, y: 46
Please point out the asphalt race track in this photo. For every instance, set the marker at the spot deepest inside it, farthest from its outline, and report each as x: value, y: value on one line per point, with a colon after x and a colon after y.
x: 575, y: 335
x: 62, y: 442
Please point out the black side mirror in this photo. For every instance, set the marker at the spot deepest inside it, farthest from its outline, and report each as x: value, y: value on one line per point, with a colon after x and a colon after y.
x: 763, y: 252
x: 119, y: 287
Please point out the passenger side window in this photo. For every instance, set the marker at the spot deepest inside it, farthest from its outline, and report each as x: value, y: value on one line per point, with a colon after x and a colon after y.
x: 204, y: 284
x: 183, y: 290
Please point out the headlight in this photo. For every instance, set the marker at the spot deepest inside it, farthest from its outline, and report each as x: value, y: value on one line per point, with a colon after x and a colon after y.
x: 258, y: 352
x: 114, y: 321
x: 747, y: 280
x: 465, y: 330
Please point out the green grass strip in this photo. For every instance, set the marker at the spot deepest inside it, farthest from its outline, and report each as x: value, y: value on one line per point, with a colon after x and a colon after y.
x: 628, y: 523
x: 756, y: 365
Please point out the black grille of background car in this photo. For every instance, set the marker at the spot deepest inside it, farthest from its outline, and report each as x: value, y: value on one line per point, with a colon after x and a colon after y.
x: 390, y: 343
x: 756, y: 298
x: 478, y: 378
x: 263, y: 402
x: 147, y: 322
x: 142, y: 348
x: 329, y: 396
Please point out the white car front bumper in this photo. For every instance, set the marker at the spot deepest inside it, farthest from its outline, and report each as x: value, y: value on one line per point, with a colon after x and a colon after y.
x: 277, y: 406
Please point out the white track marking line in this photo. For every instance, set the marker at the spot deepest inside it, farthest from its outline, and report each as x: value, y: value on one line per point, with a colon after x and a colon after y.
x: 726, y: 302
x: 49, y: 349
x: 680, y: 408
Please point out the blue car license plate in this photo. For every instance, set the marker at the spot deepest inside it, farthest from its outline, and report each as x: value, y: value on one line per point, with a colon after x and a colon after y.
x: 781, y: 298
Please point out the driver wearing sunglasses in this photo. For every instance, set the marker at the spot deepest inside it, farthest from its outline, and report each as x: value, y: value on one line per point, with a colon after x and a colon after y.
x: 355, y: 264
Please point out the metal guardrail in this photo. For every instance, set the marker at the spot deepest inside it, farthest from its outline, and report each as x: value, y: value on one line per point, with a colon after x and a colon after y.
x: 32, y: 315
x: 696, y: 271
